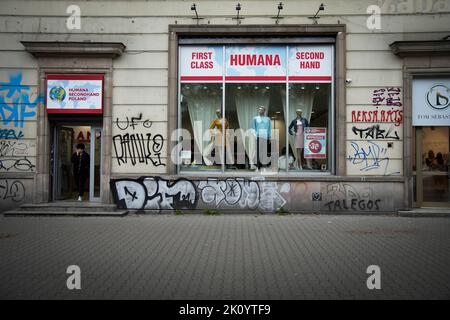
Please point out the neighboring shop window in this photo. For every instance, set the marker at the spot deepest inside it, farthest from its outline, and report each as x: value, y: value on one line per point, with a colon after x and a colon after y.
x: 256, y: 108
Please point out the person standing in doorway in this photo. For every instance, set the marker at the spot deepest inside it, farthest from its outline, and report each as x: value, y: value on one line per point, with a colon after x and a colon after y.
x: 81, y: 166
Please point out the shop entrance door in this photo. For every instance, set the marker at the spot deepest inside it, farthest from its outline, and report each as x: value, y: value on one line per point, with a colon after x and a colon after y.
x: 432, y: 170
x: 63, y: 181
x: 66, y: 139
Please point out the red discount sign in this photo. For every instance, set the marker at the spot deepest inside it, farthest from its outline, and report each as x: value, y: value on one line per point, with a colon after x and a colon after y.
x: 315, y: 143
x: 315, y: 146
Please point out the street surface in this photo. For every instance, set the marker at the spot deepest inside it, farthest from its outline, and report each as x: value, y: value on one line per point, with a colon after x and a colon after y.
x: 225, y: 257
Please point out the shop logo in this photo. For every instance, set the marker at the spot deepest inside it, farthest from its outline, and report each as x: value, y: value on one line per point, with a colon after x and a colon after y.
x: 57, y: 94
x: 438, y: 97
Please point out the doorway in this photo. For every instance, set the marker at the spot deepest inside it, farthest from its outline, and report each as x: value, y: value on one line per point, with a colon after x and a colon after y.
x: 431, y: 166
x: 66, y: 138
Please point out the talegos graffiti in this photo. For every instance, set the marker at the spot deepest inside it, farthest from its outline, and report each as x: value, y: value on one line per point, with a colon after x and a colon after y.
x: 346, y: 197
x: 13, y: 190
x: 155, y: 193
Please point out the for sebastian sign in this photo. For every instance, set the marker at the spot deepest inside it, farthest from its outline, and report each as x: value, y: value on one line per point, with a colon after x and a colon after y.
x: 252, y: 63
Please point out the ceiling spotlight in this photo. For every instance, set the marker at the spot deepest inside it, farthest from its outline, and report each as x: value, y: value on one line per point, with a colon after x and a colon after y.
x: 194, y: 8
x: 238, y: 9
x: 315, y: 17
x: 280, y: 7
x: 317, y: 87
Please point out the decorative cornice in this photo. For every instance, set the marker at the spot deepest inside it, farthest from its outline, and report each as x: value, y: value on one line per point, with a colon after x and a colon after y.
x: 74, y: 49
x: 421, y: 48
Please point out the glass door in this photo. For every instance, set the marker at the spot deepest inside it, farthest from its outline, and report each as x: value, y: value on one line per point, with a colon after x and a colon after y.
x: 432, y: 166
x: 95, y: 185
x: 63, y: 176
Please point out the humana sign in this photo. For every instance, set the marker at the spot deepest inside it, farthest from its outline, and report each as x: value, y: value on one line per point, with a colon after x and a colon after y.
x: 255, y: 60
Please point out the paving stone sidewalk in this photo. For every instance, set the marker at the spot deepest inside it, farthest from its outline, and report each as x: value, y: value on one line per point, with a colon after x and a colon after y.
x: 225, y: 257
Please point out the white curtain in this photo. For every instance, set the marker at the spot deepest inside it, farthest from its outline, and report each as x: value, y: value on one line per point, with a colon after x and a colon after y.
x: 299, y: 99
x: 248, y: 100
x: 202, y: 106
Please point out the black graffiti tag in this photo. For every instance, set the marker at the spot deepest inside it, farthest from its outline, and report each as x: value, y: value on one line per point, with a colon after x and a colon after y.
x: 133, y: 123
x: 138, y: 148
x: 20, y: 164
x: 374, y: 132
x: 13, y: 190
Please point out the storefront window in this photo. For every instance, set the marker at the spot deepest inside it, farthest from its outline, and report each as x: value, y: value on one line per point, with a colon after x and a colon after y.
x: 256, y: 108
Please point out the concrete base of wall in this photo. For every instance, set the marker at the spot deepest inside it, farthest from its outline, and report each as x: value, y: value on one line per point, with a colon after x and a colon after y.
x: 425, y: 212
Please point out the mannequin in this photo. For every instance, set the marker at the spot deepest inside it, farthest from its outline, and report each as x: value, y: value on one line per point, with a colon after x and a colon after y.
x: 297, y: 128
x: 216, y: 139
x: 262, y: 127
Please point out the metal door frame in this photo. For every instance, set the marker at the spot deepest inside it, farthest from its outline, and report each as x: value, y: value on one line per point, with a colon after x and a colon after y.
x: 92, y: 198
x: 55, y: 172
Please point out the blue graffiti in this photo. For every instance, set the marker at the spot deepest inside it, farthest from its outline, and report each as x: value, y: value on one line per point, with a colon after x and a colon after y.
x: 7, y: 134
x: 370, y: 158
x: 15, y: 104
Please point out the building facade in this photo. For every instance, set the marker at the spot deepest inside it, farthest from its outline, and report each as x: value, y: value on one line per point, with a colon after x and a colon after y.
x: 167, y: 101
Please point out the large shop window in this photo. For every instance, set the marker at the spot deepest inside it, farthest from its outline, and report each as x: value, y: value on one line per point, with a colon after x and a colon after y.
x: 256, y: 108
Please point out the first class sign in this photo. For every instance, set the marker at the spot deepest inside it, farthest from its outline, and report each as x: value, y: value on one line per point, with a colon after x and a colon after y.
x: 74, y: 94
x: 252, y: 63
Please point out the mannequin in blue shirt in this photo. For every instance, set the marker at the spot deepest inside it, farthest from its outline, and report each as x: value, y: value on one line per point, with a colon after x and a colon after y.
x: 262, y: 127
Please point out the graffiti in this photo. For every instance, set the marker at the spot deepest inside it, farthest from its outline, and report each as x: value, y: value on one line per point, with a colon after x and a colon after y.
x: 386, y: 115
x: 243, y: 194
x: 271, y: 198
x: 232, y: 191
x: 11, y: 134
x: 158, y: 194
x: 344, y: 190
x: 14, y: 148
x: 389, y: 96
x: 15, y: 104
x: 375, y: 132
x: 12, y: 189
x: 133, y: 123
x: 353, y: 204
x: 344, y: 196
x: 22, y: 164
x: 369, y: 158
x: 154, y: 193
x: 138, y: 148
x: 379, y: 116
